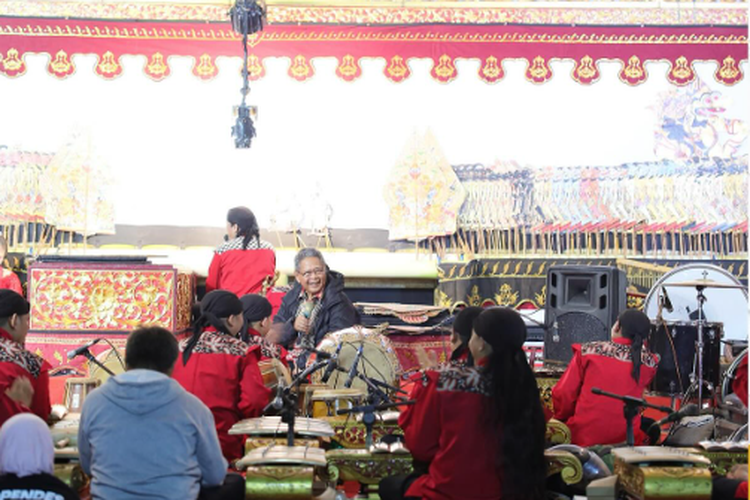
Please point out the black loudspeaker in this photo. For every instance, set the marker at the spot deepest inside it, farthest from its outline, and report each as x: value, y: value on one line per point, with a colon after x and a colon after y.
x: 583, y: 303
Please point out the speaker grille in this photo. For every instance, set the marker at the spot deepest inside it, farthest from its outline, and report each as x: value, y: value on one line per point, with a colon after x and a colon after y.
x: 572, y: 328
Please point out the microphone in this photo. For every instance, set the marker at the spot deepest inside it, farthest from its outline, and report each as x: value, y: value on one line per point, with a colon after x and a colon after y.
x: 667, y: 303
x: 307, y: 308
x: 331, y: 364
x: 690, y: 410
x: 277, y: 403
x: 80, y: 350
x: 319, y: 354
x: 353, y: 369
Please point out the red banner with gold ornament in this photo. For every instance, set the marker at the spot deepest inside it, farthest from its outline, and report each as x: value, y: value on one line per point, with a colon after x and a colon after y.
x: 632, y: 46
x: 89, y: 297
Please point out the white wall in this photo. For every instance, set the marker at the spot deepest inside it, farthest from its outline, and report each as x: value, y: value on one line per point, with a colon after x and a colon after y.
x: 174, y: 161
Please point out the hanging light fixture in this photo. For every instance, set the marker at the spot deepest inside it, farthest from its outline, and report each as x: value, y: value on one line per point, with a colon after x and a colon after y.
x: 248, y: 17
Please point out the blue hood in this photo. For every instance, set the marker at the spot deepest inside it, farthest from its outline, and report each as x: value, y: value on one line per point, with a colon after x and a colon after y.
x: 141, y: 391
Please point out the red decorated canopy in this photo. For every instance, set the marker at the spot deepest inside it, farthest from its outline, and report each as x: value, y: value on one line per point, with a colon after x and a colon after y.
x: 491, y: 36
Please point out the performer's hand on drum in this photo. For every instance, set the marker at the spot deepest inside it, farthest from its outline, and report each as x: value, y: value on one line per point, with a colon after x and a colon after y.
x: 301, y: 324
x: 21, y: 391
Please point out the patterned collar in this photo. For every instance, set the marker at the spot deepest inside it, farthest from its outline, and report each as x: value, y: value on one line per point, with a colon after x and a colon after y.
x: 213, y: 342
x: 236, y: 244
x: 13, y: 352
x: 303, y: 295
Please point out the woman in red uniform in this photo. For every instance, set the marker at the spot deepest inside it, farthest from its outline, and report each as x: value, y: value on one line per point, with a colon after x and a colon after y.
x: 480, y: 428
x: 461, y: 334
x: 8, y: 279
x: 221, y: 370
x: 622, y: 366
x: 258, y: 313
x: 244, y: 261
x: 24, y: 376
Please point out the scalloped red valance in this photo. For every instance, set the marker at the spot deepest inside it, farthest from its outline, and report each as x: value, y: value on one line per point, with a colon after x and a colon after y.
x: 632, y: 46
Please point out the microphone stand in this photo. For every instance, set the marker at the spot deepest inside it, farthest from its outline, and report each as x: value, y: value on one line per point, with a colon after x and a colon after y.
x: 375, y: 387
x: 630, y: 410
x: 87, y: 354
x: 289, y: 399
x: 368, y: 416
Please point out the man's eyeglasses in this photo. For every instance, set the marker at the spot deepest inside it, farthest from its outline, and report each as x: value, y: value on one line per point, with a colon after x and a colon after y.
x: 317, y: 272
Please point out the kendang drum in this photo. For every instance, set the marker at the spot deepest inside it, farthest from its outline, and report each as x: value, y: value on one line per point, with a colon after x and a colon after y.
x: 274, y: 372
x: 326, y: 403
x: 674, y: 342
x: 112, y: 359
x: 726, y: 301
x: 378, y: 360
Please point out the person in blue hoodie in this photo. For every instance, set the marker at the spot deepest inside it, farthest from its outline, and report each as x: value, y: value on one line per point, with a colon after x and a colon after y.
x: 142, y: 435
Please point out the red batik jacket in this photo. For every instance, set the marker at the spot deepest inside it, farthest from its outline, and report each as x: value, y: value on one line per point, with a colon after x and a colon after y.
x: 15, y: 361
x: 739, y: 384
x: 9, y: 280
x: 223, y: 373
x: 594, y: 419
x: 241, y: 271
x: 447, y: 428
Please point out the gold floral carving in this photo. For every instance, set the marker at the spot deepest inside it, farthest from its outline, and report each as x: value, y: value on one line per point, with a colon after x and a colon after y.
x: 67, y: 300
x: 538, y: 70
x: 557, y: 432
x: 255, y: 67
x: 397, y: 70
x: 729, y: 70
x: 681, y: 70
x: 565, y: 463
x: 408, y: 13
x: 12, y: 64
x: 348, y: 66
x: 157, y: 68
x: 219, y: 33
x: 300, y: 69
x: 108, y: 65
x: 445, y: 70
x: 474, y: 299
x: 506, y: 296
x: 61, y: 66
x: 586, y: 69
x: 442, y: 299
x: 541, y: 297
x: 205, y: 68
x: 492, y: 69
x: 634, y: 69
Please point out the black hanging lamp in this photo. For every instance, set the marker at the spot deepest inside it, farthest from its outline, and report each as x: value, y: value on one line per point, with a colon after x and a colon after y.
x: 248, y: 17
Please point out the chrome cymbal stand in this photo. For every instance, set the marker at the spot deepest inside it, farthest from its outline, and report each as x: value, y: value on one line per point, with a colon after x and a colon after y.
x: 699, y: 342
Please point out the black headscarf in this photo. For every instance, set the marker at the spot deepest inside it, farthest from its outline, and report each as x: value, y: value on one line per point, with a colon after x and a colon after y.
x: 12, y: 303
x: 215, y: 307
x: 636, y: 326
x: 254, y: 308
x: 463, y: 325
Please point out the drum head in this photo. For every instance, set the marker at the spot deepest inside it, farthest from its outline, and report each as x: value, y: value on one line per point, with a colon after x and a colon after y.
x: 378, y: 361
x: 727, y: 306
x: 109, y: 359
